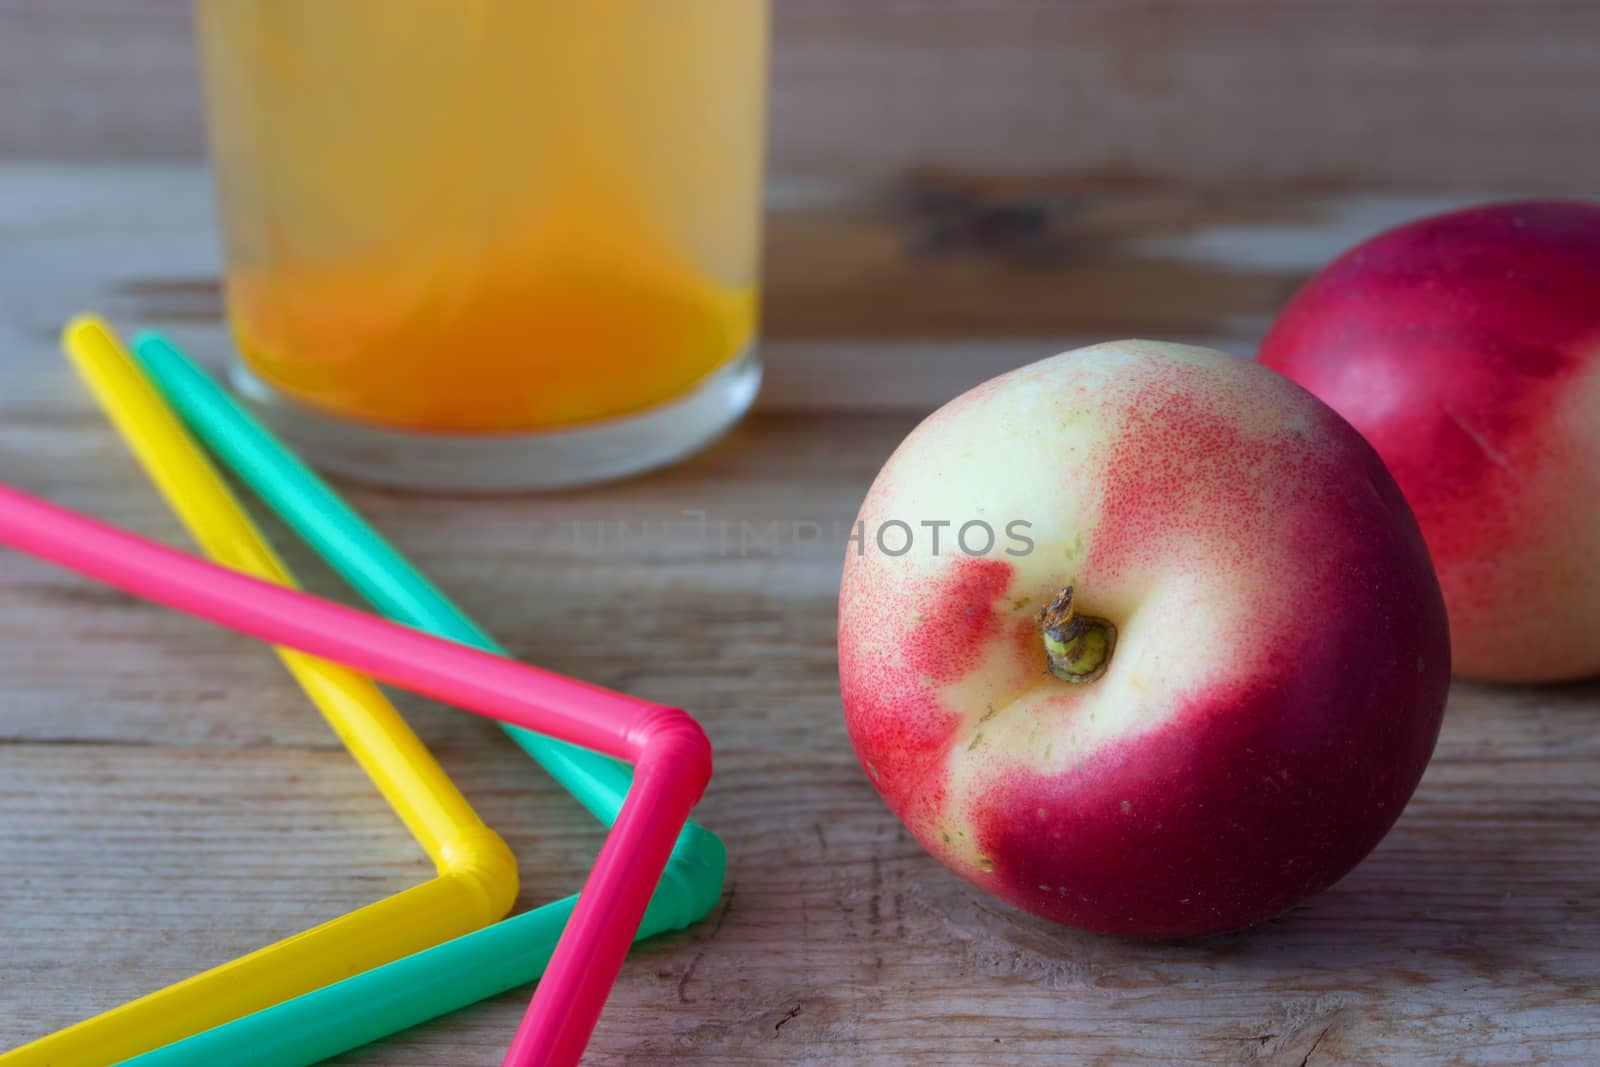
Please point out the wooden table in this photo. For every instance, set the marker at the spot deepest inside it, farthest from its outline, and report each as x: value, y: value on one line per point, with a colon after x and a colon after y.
x: 168, y: 800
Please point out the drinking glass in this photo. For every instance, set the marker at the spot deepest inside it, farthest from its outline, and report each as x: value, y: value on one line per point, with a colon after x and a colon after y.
x: 490, y: 243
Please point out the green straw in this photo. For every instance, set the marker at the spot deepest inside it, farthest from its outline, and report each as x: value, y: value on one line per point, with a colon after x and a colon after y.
x: 510, y: 953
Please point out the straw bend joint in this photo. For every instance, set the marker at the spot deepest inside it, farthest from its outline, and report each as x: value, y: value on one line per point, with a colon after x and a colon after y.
x: 669, y: 737
x: 480, y: 858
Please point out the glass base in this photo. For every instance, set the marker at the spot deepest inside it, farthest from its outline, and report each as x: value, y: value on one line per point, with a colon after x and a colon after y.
x: 547, y: 459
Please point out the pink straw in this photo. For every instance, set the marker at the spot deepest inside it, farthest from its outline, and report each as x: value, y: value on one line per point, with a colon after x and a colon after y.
x: 669, y: 751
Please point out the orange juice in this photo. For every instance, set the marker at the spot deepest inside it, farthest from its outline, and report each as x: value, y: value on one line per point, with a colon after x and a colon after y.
x: 487, y: 216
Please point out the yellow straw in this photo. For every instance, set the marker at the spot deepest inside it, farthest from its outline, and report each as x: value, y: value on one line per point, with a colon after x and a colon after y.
x: 477, y: 874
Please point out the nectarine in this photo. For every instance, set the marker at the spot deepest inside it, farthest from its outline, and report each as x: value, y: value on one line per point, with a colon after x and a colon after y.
x: 1466, y: 347
x: 1198, y: 683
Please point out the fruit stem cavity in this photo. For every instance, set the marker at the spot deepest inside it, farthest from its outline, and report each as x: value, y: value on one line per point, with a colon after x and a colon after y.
x: 1078, y: 646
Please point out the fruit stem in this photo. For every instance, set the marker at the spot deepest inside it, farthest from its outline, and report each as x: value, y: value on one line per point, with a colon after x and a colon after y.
x: 1078, y: 646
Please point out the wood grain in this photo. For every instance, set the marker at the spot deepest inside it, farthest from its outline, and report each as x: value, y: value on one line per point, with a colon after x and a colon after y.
x: 172, y: 802
x: 889, y: 297
x: 167, y: 800
x: 1464, y: 94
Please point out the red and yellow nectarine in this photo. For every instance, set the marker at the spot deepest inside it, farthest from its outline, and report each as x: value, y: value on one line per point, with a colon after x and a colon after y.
x: 1466, y: 348
x: 1238, y: 696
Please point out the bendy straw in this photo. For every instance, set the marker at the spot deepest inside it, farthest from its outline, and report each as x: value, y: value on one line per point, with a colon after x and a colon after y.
x: 438, y: 980
x: 671, y: 758
x: 477, y: 875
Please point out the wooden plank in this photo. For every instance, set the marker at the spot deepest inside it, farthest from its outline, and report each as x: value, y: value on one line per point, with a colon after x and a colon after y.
x: 1464, y: 94
x: 878, y: 298
x: 87, y: 80
x: 168, y: 800
x: 1430, y: 93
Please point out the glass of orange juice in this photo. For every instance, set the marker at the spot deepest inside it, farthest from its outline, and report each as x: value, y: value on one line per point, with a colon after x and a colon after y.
x: 482, y: 244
